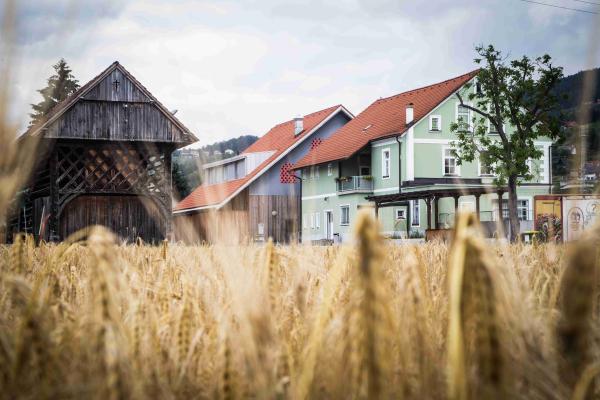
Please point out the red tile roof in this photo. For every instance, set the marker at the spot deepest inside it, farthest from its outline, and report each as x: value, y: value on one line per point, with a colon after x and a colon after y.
x: 279, y: 139
x: 382, y: 118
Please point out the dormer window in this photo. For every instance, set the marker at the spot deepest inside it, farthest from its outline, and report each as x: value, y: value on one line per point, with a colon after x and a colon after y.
x: 435, y: 123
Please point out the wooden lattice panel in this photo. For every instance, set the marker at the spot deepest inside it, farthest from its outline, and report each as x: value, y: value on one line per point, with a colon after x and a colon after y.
x: 109, y: 169
x: 286, y: 174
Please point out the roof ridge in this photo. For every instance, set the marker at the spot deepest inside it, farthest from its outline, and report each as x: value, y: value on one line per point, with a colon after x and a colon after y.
x: 428, y: 86
x: 304, y: 116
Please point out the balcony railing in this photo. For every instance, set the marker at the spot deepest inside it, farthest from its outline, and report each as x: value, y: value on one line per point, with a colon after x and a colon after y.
x: 354, y: 184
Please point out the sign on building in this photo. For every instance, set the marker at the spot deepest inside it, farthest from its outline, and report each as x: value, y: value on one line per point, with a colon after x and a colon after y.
x: 580, y: 213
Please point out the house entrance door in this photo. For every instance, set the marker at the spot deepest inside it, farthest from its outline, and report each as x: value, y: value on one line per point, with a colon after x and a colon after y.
x: 329, y: 225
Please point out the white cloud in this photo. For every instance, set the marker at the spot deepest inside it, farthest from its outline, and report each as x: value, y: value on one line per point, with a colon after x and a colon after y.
x: 234, y: 68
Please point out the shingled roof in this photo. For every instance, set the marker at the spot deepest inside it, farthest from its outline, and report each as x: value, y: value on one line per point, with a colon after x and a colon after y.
x: 67, y: 103
x: 384, y: 117
x: 280, y: 140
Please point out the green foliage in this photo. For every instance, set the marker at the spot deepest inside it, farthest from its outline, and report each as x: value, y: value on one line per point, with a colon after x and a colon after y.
x: 186, y: 175
x: 187, y: 163
x: 60, y: 86
x: 518, y: 93
x: 237, y: 144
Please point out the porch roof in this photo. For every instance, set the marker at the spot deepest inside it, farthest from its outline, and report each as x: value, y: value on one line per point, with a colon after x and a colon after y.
x: 390, y: 199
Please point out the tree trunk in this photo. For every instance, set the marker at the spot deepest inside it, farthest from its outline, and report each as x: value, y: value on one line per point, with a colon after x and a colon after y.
x: 512, y: 208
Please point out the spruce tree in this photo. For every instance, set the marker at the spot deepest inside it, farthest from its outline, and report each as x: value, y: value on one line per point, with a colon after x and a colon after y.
x: 60, y: 85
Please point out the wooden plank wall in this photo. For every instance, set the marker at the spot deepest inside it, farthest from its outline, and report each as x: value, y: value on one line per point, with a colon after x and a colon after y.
x: 115, y: 121
x: 284, y: 227
x: 105, y: 90
x: 218, y: 227
x: 228, y: 225
x: 127, y: 216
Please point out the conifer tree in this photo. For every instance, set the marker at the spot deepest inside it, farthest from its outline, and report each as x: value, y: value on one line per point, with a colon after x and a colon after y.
x: 60, y: 85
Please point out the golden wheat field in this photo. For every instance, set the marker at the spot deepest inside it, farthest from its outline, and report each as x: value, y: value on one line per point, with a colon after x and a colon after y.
x: 95, y: 319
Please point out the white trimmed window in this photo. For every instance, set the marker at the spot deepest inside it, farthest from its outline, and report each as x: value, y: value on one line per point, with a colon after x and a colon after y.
x: 304, y: 222
x: 385, y: 163
x: 317, y: 172
x: 400, y: 213
x: 317, y: 220
x: 344, y: 215
x: 523, y: 210
x: 450, y: 166
x: 485, y: 169
x: 492, y: 128
x: 415, y: 216
x: 435, y: 123
x: 312, y: 221
x: 312, y: 172
x: 329, y: 169
x: 463, y: 117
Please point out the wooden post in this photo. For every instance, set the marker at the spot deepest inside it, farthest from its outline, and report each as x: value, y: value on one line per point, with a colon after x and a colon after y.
x: 456, y: 208
x: 436, y: 212
x: 477, y: 209
x: 500, y: 205
x: 408, y: 218
x: 377, y: 211
x: 428, y: 203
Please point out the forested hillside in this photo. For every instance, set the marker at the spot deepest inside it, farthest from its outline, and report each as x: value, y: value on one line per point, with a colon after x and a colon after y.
x: 576, y: 111
x: 187, y: 163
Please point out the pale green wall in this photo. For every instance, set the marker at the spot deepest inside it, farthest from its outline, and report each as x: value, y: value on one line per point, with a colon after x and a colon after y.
x: 377, y: 168
x: 332, y: 203
x: 427, y: 164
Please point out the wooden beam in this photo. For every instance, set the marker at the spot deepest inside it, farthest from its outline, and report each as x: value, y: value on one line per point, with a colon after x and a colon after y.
x: 428, y: 203
x: 477, y: 208
x: 436, y: 212
x: 500, y: 205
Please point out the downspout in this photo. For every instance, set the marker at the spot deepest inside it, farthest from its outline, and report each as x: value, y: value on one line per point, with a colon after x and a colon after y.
x: 550, y: 168
x: 399, y: 164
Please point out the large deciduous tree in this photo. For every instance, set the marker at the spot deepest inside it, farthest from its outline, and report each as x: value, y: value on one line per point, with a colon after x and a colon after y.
x: 517, y: 99
x: 60, y: 86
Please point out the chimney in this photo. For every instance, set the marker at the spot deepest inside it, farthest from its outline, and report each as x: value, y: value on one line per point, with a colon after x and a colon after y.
x: 410, y: 114
x: 298, y: 125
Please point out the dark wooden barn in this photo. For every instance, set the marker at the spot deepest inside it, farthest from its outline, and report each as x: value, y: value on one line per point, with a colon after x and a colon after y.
x: 104, y: 158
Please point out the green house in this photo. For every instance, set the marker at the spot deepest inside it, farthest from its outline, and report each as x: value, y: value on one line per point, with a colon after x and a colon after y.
x: 395, y: 157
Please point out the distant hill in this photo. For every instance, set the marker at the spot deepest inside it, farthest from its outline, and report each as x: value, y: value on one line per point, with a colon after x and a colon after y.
x: 574, y: 110
x: 572, y: 87
x: 237, y: 145
x: 187, y: 163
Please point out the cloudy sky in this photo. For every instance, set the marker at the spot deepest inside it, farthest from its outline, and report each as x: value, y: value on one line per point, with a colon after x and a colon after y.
x: 239, y: 67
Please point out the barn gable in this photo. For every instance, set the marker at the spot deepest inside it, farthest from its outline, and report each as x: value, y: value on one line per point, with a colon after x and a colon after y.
x: 114, y: 106
x: 103, y: 158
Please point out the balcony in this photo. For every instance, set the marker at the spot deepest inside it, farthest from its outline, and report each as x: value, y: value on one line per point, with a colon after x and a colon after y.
x: 355, y: 184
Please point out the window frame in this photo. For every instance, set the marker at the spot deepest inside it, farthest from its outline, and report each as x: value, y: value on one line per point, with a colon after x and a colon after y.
x: 479, y: 170
x: 469, y: 122
x: 389, y: 161
x: 439, y: 118
x: 456, y: 166
x: 317, y: 172
x: 398, y: 217
x: 317, y: 220
x: 329, y: 169
x: 412, y: 213
x: 520, y: 208
x: 342, y: 206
